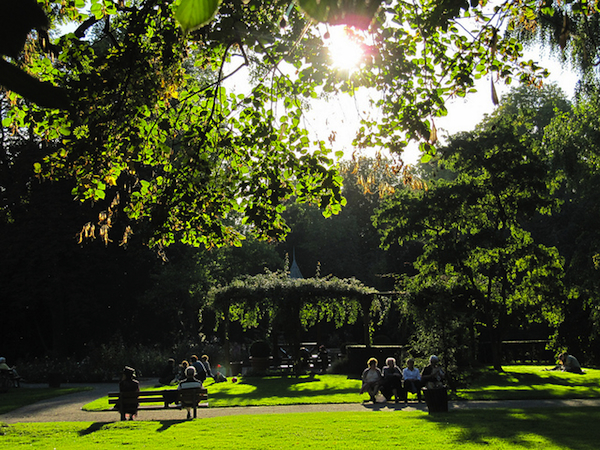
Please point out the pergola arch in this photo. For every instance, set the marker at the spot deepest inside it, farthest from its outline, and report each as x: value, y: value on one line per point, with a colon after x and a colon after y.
x: 292, y: 304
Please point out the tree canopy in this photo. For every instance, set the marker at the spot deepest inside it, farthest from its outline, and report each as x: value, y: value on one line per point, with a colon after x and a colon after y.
x: 134, y: 109
x: 475, y: 228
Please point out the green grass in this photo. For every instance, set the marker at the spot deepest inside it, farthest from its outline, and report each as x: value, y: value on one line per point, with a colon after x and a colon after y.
x: 15, y: 398
x: 575, y: 428
x: 548, y: 428
x: 270, y: 391
x: 532, y: 382
x: 515, y: 383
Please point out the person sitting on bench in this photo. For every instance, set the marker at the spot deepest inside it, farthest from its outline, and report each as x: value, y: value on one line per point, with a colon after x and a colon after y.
x: 371, y: 379
x: 128, y: 383
x: 391, y: 384
x: 190, y: 382
x: 9, y: 372
x: 433, y: 376
x: 412, y: 380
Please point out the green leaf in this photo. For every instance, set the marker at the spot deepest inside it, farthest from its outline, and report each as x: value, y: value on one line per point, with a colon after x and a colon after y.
x: 192, y: 14
x: 425, y: 158
x: 96, y: 10
x: 341, y: 12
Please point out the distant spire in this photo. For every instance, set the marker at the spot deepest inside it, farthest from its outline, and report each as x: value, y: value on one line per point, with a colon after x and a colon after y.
x: 295, y: 270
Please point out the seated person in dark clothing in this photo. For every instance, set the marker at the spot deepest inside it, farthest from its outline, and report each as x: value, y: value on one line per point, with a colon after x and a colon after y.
x: 304, y: 358
x: 182, y: 368
x: 168, y: 375
x: 200, y: 370
x: 568, y: 363
x: 391, y: 384
x: 206, y: 365
x: 323, y: 359
x: 433, y: 375
x: 128, y: 383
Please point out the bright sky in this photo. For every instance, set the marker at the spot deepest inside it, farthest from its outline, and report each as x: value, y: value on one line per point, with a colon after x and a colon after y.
x: 342, y: 113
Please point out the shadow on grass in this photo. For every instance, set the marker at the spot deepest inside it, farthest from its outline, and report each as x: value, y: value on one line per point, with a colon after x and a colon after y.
x: 282, y: 390
x: 166, y: 424
x: 280, y: 381
x: 96, y: 426
x: 571, y: 428
x: 540, y: 384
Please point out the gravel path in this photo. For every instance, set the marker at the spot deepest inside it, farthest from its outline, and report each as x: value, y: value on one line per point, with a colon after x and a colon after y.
x: 67, y: 408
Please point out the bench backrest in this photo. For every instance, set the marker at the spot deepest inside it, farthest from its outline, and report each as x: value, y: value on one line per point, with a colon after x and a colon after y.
x: 191, y: 396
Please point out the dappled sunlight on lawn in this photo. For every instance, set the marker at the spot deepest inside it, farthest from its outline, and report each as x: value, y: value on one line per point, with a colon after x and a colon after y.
x: 537, y: 428
x: 519, y: 382
x: 285, y: 390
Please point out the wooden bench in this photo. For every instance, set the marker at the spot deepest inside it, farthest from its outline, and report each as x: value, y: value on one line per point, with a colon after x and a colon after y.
x: 168, y: 398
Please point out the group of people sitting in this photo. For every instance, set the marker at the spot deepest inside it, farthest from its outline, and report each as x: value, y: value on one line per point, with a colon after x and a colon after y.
x: 395, y: 383
x: 190, y: 380
x: 174, y: 375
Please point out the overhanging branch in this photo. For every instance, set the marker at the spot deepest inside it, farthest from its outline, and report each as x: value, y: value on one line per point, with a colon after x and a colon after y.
x: 39, y: 92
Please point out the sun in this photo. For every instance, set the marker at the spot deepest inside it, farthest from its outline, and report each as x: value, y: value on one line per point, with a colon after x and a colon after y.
x: 345, y: 48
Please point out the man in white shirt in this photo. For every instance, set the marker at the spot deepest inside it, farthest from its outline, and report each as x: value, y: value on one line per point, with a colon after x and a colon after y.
x: 412, y: 380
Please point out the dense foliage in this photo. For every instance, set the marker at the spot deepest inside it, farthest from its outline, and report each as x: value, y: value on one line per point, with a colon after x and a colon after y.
x: 285, y: 305
x: 137, y: 112
x: 480, y: 260
x: 126, y: 106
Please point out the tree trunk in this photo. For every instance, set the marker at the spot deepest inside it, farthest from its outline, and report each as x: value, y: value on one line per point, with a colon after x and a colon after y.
x: 365, y: 305
x: 496, y: 348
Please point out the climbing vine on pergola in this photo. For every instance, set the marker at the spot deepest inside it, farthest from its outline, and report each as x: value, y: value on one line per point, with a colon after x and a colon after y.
x: 291, y: 305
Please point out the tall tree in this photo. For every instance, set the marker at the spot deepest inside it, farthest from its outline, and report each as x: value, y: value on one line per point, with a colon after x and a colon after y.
x: 474, y: 227
x: 571, y: 141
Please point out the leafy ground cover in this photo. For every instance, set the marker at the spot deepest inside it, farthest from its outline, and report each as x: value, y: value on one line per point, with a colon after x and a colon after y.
x: 15, y: 398
x: 516, y: 382
x: 547, y: 428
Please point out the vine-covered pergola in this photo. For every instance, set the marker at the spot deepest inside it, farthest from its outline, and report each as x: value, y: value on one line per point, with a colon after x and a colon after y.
x: 290, y: 305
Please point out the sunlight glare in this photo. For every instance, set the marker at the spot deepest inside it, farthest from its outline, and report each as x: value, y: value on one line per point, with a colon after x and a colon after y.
x: 345, y: 48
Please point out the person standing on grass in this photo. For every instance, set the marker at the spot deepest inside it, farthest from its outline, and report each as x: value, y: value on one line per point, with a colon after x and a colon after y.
x: 412, y: 380
x: 128, y: 383
x: 371, y: 379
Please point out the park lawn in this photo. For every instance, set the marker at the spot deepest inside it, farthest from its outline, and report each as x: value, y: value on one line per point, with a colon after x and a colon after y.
x: 515, y: 383
x: 572, y: 428
x: 531, y: 382
x: 15, y: 398
x: 271, y: 391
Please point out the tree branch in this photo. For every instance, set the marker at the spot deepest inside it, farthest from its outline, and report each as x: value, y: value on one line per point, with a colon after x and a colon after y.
x: 42, y: 93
